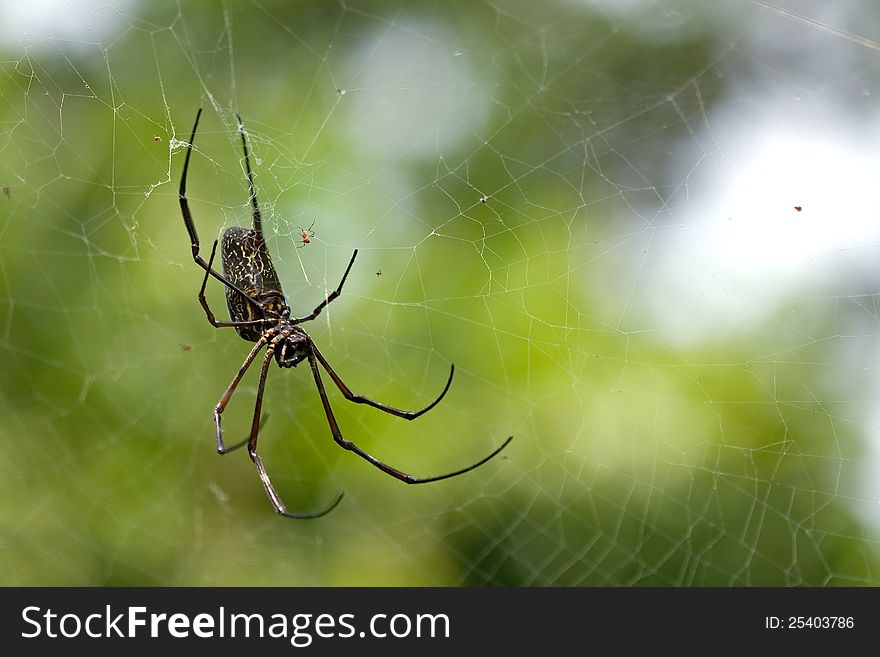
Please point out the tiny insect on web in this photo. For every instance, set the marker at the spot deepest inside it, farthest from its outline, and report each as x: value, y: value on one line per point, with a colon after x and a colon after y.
x: 305, y: 235
x: 259, y: 313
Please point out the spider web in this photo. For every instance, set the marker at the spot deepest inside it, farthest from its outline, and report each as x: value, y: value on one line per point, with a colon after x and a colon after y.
x: 644, y: 232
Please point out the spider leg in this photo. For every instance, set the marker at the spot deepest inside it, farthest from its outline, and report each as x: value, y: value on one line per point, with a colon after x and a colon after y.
x: 384, y: 467
x: 204, y: 301
x: 191, y: 226
x: 330, y: 297
x: 258, y: 224
x: 274, y: 497
x: 359, y: 399
x: 251, y: 440
x: 224, y: 400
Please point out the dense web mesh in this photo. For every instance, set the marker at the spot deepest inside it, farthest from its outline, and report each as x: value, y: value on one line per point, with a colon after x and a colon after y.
x: 645, y: 233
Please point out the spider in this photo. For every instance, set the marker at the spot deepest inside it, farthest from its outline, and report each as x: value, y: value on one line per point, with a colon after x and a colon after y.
x: 259, y: 313
x: 305, y: 235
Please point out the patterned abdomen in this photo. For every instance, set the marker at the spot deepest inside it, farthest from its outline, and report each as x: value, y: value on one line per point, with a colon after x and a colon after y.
x: 246, y: 263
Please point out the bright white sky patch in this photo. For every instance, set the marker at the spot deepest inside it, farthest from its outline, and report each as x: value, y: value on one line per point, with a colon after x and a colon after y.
x: 833, y: 188
x: 740, y: 248
x: 31, y: 21
x: 416, y: 96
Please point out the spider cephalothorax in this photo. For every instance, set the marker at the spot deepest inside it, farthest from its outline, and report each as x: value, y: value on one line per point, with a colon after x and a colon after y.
x: 292, y: 345
x: 259, y: 312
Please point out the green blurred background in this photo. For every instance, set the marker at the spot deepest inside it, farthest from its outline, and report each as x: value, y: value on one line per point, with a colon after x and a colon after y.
x: 644, y: 232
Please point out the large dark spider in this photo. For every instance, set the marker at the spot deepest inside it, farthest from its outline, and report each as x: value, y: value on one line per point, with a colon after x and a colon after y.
x: 259, y: 313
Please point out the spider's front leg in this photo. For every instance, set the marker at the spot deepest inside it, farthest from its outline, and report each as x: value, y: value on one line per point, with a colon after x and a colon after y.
x: 251, y: 440
x: 369, y: 458
x: 224, y: 400
x: 360, y: 399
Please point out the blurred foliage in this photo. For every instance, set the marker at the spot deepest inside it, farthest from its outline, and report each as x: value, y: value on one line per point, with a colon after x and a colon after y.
x: 635, y: 461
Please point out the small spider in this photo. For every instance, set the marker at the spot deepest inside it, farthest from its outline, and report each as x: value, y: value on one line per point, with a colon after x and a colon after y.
x: 157, y: 138
x: 484, y: 199
x: 379, y: 273
x: 306, y: 235
x: 259, y: 313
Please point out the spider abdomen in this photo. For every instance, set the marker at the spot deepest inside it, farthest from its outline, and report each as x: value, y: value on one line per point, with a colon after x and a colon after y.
x: 247, y: 264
